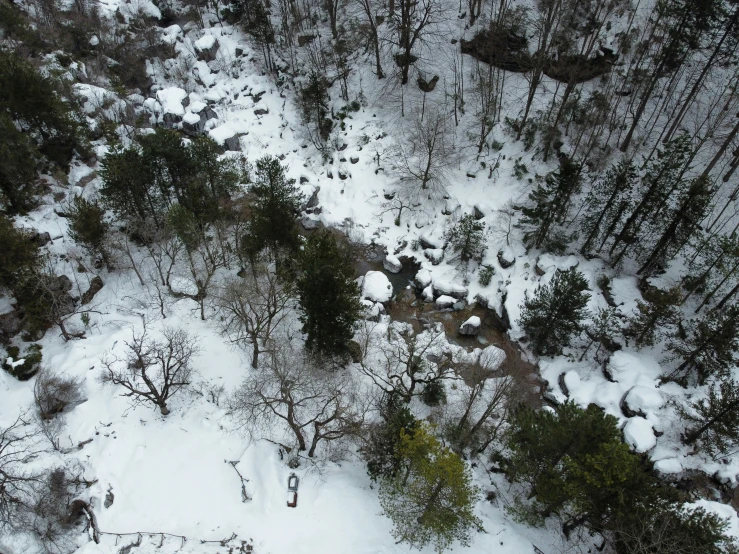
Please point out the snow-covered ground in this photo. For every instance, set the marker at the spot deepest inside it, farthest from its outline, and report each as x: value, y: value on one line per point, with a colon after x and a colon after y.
x: 175, y: 474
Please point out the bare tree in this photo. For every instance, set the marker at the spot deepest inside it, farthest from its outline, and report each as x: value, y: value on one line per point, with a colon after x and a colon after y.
x: 315, y: 405
x: 20, y: 443
x: 153, y: 370
x: 252, y: 307
x: 397, y: 360
x: 425, y: 156
x: 371, y: 30
x: 412, y: 20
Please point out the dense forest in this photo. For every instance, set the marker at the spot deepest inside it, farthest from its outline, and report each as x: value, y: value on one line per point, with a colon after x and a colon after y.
x: 468, y: 273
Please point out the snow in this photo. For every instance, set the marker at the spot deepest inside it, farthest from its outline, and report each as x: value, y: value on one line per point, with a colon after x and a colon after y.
x: 492, y: 357
x: 191, y: 118
x: 377, y: 287
x: 668, y: 466
x: 473, y: 321
x: 171, y: 100
x: 639, y: 435
x: 646, y: 400
x: 722, y: 510
x: 445, y: 301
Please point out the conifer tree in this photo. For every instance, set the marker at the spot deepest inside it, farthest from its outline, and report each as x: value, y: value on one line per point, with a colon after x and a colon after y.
x: 467, y: 238
x: 314, y: 104
x: 554, y: 315
x: 550, y: 202
x: 382, y: 451
x: 18, y: 162
x: 659, y: 309
x: 20, y: 255
x: 430, y: 500
x: 273, y: 222
x: 714, y: 420
x: 88, y: 227
x: 710, y: 344
x: 606, y: 204
x: 329, y: 296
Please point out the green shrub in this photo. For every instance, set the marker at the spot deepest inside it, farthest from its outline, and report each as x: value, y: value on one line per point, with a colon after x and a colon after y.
x: 31, y: 362
x: 434, y: 393
x: 486, y: 275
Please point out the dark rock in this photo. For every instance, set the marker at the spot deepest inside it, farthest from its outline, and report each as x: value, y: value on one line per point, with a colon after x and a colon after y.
x: 261, y: 111
x: 459, y: 306
x: 355, y: 351
x: 500, y: 47
x: 392, y: 265
x: 40, y: 239
x: 305, y: 39
x: 109, y: 497
x: 95, y: 285
x: 354, y: 159
x: 343, y: 175
x: 61, y: 283
x: 304, y: 180
x: 309, y: 223
x: 505, y: 259
x: 194, y: 129
x: 477, y: 212
x: 170, y: 120
x: 239, y: 52
x: 389, y: 195
x: 233, y: 143
x: 313, y: 200
x: 469, y: 329
x: 460, y: 293
x: 10, y: 325
x: 208, y: 54
x: 343, y: 147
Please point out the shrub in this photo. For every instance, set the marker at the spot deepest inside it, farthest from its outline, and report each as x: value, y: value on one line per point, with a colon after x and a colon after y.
x: 87, y: 226
x: 54, y: 392
x: 434, y: 393
x: 486, y: 275
x: 467, y: 238
x: 29, y: 366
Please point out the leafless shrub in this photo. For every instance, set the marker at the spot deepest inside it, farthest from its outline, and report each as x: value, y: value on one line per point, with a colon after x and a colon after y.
x: 54, y: 392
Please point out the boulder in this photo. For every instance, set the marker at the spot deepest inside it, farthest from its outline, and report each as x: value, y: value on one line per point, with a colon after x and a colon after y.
x: 506, y: 258
x: 95, y: 285
x: 233, y: 143
x: 309, y: 223
x: 40, y: 239
x: 193, y: 124
x: 445, y: 302
x: 434, y: 255
x: 422, y: 279
x: 470, y: 327
x: 354, y: 159
x: 206, y: 47
x: 313, y: 200
x: 426, y: 241
x: 477, y: 212
x: 261, y: 111
x: 639, y: 435
x: 392, y: 264
x: 10, y: 325
x: 377, y: 287
x: 448, y: 288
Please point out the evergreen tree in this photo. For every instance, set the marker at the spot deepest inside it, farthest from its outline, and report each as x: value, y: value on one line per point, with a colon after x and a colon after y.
x: 467, y: 238
x: 88, y: 227
x: 709, y: 345
x: 430, y: 500
x: 607, y: 201
x: 18, y: 164
x: 20, y: 255
x: 659, y: 309
x: 273, y: 222
x: 605, y: 324
x: 329, y: 296
x: 314, y: 104
x: 382, y: 450
x: 714, y: 420
x: 550, y: 203
x: 554, y: 315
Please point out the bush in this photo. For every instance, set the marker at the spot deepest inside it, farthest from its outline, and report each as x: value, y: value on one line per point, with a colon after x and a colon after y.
x: 20, y: 255
x: 434, y: 393
x: 28, y: 367
x: 467, y: 238
x: 54, y: 392
x: 87, y: 226
x: 486, y: 275
x: 382, y: 449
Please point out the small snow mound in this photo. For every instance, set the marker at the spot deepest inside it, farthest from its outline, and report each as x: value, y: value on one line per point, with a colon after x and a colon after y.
x: 668, y: 466
x: 571, y: 381
x: 452, y: 289
x: 445, y: 301
x: 377, y: 287
x: 639, y: 435
x: 171, y: 100
x: 423, y: 278
x: 191, y: 118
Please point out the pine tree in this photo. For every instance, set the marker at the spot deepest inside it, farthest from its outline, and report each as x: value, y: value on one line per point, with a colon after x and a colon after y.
x: 382, y: 451
x: 710, y: 345
x: 660, y: 308
x: 314, y: 104
x: 431, y: 498
x: 18, y: 163
x: 554, y: 315
x: 20, y: 255
x: 88, y: 227
x: 607, y: 201
x: 550, y: 203
x: 329, y: 296
x: 467, y: 238
x: 714, y: 420
x: 273, y: 220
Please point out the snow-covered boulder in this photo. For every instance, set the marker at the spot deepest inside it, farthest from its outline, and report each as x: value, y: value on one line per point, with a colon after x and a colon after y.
x: 233, y: 144
x: 309, y: 223
x: 642, y: 401
x: 668, y: 466
x: 392, y: 264
x: 173, y: 101
x: 434, y: 255
x: 492, y: 357
x: 506, y: 257
x: 450, y: 288
x: 377, y: 287
x: 444, y: 302
x: 193, y: 124
x: 206, y: 48
x: 428, y: 293
x: 639, y: 435
x: 423, y: 279
x: 471, y: 326
x: 427, y: 241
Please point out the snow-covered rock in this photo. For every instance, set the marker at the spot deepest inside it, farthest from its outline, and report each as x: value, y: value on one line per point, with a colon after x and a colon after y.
x: 193, y: 124
x: 309, y: 223
x: 471, y: 326
x: 639, y: 435
x: 173, y: 101
x: 668, y: 466
x: 444, y: 302
x: 392, y: 264
x: 434, y: 255
x: 423, y: 279
x: 642, y: 401
x: 206, y: 48
x: 492, y: 357
x: 428, y: 293
x: 506, y: 257
x: 450, y: 288
x: 377, y: 287
x: 427, y: 241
